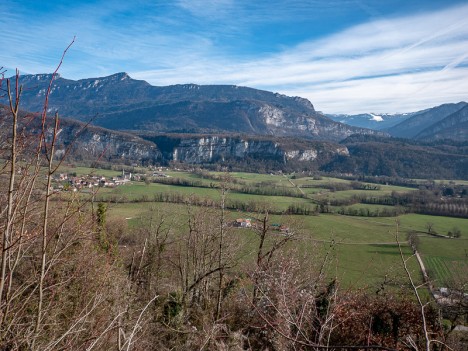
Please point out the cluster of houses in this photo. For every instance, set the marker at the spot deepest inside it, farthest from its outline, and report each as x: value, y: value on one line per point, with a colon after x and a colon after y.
x: 68, y: 182
x: 249, y: 223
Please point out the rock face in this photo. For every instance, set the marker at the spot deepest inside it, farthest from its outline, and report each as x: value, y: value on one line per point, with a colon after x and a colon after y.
x: 121, y: 103
x: 100, y: 144
x: 214, y: 148
x: 82, y: 142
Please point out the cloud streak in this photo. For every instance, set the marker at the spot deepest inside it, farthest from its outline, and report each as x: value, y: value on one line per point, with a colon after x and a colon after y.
x: 391, y: 65
x: 394, y: 64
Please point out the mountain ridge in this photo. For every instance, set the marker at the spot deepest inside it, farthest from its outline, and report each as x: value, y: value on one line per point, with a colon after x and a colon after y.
x: 437, y: 122
x: 375, y: 121
x: 120, y: 102
x: 358, y: 154
x: 421, y: 120
x: 83, y: 142
x: 454, y: 126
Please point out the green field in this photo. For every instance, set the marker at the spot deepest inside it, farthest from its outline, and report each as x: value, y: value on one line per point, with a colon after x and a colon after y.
x: 145, y: 192
x: 365, y: 252
x: 80, y: 171
x: 446, y: 259
x: 256, y: 178
x: 347, y: 194
x: 370, y: 207
x: 374, y: 264
x: 319, y: 182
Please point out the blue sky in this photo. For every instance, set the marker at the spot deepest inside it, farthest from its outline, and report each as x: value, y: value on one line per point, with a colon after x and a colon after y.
x: 346, y: 56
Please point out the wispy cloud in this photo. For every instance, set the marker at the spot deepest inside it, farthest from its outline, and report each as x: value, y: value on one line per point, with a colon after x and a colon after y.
x: 382, y: 65
x: 111, y: 36
x: 391, y: 65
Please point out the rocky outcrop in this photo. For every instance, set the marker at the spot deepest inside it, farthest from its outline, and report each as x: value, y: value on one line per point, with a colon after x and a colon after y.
x: 101, y: 144
x: 199, y: 149
x: 213, y: 148
x: 79, y: 141
x: 86, y: 142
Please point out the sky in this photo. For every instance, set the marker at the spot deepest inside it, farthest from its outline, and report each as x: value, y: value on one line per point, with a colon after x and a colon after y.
x: 345, y: 56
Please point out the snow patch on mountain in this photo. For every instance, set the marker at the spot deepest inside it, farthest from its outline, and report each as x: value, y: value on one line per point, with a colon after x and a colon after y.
x: 376, y: 118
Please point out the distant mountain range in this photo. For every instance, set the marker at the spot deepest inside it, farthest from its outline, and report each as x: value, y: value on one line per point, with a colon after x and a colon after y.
x: 455, y: 127
x: 85, y: 143
x: 371, y: 120
x: 358, y: 154
x: 121, y: 103
x: 445, y: 121
x: 423, y: 124
x: 242, y: 128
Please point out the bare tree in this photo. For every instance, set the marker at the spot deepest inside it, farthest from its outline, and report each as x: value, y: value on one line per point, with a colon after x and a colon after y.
x: 54, y: 284
x: 423, y: 306
x: 202, y: 255
x: 269, y: 243
x: 430, y: 227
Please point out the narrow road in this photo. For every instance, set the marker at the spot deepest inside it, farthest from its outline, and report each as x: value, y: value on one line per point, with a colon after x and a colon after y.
x: 423, y: 269
x: 294, y: 185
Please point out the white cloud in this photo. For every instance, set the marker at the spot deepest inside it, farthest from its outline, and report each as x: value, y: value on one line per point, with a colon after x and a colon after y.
x: 401, y: 93
x: 385, y: 65
x: 398, y: 64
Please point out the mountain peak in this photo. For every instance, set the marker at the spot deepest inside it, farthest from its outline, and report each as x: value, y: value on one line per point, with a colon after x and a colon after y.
x: 421, y: 120
x: 118, y: 76
x: 304, y: 102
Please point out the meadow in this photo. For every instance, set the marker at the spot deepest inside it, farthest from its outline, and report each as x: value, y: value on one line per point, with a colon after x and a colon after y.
x: 364, y: 249
x: 361, y: 254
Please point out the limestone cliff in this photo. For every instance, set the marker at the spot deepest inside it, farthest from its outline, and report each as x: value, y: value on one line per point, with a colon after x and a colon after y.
x: 198, y: 149
x: 80, y: 141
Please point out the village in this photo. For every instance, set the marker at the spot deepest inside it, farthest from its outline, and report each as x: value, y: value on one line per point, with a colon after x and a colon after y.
x: 72, y: 182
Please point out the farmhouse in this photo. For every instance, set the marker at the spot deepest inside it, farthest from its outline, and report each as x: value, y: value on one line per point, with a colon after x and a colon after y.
x: 243, y: 223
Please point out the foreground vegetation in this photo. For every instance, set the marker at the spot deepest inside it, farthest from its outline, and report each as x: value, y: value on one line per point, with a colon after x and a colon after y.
x: 162, y: 263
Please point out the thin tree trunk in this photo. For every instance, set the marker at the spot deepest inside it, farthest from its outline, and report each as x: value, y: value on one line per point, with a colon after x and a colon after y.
x: 260, y: 255
x: 416, y: 293
x: 19, y: 252
x: 44, y: 234
x: 220, y: 252
x: 11, y: 187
